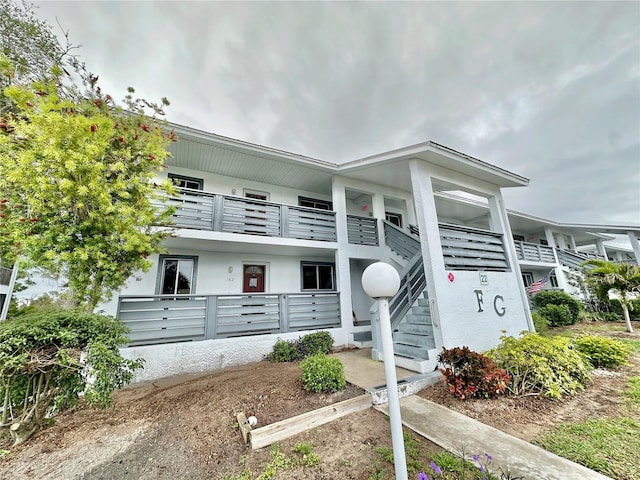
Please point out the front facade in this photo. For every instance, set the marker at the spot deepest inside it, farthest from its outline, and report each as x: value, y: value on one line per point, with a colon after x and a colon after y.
x: 267, y: 245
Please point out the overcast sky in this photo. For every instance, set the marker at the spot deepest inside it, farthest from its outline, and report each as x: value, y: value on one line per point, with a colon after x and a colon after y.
x: 547, y: 90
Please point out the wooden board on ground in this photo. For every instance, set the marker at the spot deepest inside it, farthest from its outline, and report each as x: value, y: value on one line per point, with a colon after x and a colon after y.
x: 269, y: 434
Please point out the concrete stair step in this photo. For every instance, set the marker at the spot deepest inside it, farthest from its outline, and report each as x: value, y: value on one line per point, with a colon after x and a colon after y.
x: 421, y: 310
x: 423, y: 302
x: 414, y: 339
x: 411, y: 351
x: 419, y: 328
x: 418, y: 365
x: 420, y: 319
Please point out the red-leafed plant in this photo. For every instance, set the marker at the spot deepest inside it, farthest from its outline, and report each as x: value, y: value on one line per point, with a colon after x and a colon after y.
x: 470, y: 374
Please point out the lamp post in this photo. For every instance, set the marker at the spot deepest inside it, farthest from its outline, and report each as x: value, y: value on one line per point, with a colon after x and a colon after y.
x: 381, y: 282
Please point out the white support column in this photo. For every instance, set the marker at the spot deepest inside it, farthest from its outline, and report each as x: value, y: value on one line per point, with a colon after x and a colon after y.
x: 343, y: 268
x: 551, y: 241
x: 635, y: 245
x: 499, y: 222
x: 430, y: 245
x: 600, y: 248
x: 574, y: 247
x: 377, y: 206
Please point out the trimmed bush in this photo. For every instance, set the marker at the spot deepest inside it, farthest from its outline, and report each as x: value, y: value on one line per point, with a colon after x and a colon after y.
x: 48, y: 358
x: 322, y: 374
x: 557, y: 315
x: 305, y: 346
x: 602, y: 352
x: 283, y: 352
x: 539, y: 365
x: 470, y: 374
x: 313, y: 343
x: 540, y: 323
x: 557, y: 297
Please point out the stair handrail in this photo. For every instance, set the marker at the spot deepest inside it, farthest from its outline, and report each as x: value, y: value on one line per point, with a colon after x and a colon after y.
x: 413, y: 242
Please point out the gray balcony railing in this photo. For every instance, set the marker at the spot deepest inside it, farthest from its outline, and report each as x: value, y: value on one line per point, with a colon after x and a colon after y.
x: 533, y: 252
x: 407, y: 246
x: 466, y: 248
x: 362, y: 230
x: 5, y: 275
x: 221, y: 213
x: 175, y: 318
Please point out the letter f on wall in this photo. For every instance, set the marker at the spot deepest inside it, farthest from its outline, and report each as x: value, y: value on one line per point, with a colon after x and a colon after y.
x: 479, y: 299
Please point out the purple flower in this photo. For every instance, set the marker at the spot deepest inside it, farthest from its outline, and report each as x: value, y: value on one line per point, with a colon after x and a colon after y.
x: 488, y: 457
x: 476, y: 458
x: 435, y: 468
x: 422, y: 476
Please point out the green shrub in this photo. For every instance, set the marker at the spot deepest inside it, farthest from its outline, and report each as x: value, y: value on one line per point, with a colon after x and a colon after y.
x: 557, y: 315
x: 283, y: 351
x: 602, y: 352
x: 558, y: 297
x: 322, y: 374
x: 49, y: 357
x: 305, y: 346
x: 470, y: 374
x: 313, y: 343
x: 539, y: 365
x: 540, y: 323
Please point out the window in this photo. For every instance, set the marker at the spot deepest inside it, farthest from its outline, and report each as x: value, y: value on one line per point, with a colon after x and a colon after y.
x: 518, y: 238
x: 543, y: 242
x: 394, y: 218
x: 177, y: 275
x: 186, y: 182
x: 315, y: 203
x: 527, y: 278
x: 318, y: 276
x: 256, y: 195
x: 553, y: 280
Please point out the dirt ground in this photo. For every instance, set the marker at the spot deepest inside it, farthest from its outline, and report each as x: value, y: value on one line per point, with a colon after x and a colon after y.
x: 186, y: 427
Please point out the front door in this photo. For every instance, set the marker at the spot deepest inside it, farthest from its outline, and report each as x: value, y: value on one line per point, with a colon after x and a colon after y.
x: 253, y: 279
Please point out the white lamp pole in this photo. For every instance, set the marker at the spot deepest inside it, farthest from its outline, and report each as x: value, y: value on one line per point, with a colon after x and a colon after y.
x: 381, y: 282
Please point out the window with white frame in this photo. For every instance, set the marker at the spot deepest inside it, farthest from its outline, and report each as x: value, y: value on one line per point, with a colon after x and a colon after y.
x: 318, y: 276
x: 177, y: 275
x: 527, y: 278
x: 315, y: 203
x: 394, y: 218
x: 186, y: 182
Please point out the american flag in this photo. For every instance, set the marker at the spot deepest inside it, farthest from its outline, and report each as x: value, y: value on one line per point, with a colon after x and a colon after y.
x: 535, y: 287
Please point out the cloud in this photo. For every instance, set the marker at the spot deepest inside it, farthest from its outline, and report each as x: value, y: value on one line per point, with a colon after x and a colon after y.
x: 547, y: 90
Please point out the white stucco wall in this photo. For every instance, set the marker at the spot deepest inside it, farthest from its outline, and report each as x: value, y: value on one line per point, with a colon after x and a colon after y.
x: 462, y: 322
x: 225, y: 185
x: 213, y: 276
x: 172, y: 359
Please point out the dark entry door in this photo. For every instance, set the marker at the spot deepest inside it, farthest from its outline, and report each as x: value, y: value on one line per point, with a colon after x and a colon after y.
x: 253, y: 279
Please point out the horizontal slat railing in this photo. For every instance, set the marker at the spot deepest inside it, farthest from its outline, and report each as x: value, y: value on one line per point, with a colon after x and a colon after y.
x: 570, y: 258
x: 202, y: 210
x: 5, y: 275
x: 412, y: 283
x: 466, y: 248
x: 397, y: 240
x: 533, y: 252
x: 176, y: 318
x: 362, y: 230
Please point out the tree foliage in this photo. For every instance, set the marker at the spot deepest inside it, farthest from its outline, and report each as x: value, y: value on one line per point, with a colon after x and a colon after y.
x: 76, y: 182
x: 621, y: 279
x: 29, y: 44
x: 49, y: 357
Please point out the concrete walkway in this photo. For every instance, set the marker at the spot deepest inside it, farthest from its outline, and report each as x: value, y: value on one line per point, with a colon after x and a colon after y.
x: 458, y: 433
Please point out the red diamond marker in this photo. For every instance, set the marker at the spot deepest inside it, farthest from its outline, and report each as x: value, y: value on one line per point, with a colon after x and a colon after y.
x: 451, y: 277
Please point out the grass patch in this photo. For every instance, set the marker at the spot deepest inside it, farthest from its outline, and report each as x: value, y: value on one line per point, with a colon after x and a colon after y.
x: 632, y: 391
x: 634, y: 344
x: 606, y: 445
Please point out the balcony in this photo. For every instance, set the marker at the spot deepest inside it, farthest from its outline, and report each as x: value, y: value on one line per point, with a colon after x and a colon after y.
x: 201, y: 210
x: 533, y: 252
x: 157, y: 319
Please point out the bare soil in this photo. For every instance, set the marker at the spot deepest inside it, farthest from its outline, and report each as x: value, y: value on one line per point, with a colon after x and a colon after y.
x: 186, y: 427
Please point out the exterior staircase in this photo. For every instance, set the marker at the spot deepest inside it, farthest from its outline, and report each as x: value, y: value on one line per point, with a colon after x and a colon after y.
x: 411, y: 324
